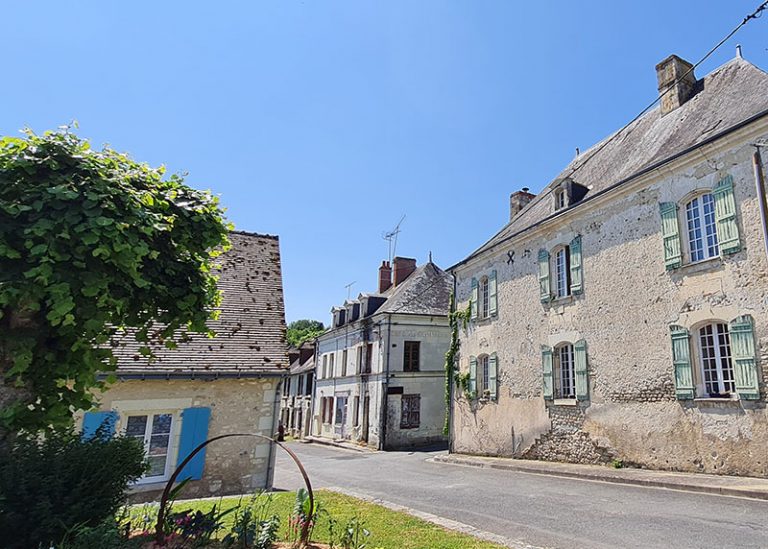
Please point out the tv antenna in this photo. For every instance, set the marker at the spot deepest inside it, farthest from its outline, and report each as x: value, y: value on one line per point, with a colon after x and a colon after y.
x: 349, y: 288
x: 391, y: 237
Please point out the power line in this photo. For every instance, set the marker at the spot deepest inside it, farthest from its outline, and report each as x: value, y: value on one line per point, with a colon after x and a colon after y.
x: 754, y: 15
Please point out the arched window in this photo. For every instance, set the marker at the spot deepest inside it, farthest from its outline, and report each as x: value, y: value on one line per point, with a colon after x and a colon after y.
x: 715, y: 359
x: 565, y: 374
x: 701, y: 229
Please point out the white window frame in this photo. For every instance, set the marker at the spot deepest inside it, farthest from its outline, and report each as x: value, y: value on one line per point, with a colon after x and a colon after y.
x: 484, y: 309
x: 172, y: 449
x: 560, y: 199
x: 562, y: 270
x: 696, y: 217
x: 565, y: 371
x: 716, y: 359
x: 483, y: 375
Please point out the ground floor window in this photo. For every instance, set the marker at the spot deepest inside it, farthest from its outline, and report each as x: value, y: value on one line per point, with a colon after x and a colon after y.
x: 716, y: 365
x: 410, y: 411
x: 154, y: 432
x: 565, y: 385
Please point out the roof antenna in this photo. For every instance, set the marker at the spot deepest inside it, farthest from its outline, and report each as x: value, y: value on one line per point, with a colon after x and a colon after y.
x: 738, y: 51
x: 349, y: 288
x: 391, y: 237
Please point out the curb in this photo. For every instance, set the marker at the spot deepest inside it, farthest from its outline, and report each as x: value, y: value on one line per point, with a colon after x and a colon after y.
x: 448, y: 524
x: 585, y: 474
x: 333, y: 443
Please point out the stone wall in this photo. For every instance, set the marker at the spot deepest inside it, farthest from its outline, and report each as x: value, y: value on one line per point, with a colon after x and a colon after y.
x: 233, y: 465
x: 629, y: 300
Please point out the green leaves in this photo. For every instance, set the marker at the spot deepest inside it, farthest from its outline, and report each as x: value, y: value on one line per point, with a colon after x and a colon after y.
x: 91, y: 240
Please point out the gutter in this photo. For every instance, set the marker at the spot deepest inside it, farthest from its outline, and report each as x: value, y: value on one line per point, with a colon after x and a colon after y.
x: 450, y: 381
x: 619, y: 183
x: 205, y: 376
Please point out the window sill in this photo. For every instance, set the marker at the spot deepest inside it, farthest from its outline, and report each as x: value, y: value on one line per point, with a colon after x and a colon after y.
x: 565, y: 402
x: 704, y: 265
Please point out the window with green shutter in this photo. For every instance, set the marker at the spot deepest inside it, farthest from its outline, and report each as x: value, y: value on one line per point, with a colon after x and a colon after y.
x: 492, y: 376
x: 545, y: 293
x: 725, y: 217
x: 546, y: 368
x: 582, y: 381
x: 745, y: 362
x: 681, y: 360
x: 576, y: 270
x: 473, y: 299
x: 472, y: 376
x: 670, y: 232
x: 492, y: 299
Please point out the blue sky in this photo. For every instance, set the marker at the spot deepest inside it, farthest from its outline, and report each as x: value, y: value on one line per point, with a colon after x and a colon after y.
x: 325, y: 122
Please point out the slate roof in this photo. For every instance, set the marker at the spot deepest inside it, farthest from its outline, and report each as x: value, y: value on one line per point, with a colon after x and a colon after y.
x: 250, y: 331
x: 728, y: 96
x: 298, y: 368
x: 426, y: 291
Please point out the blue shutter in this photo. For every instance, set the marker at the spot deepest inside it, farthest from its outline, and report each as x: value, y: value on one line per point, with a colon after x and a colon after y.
x: 194, y: 431
x: 93, y: 420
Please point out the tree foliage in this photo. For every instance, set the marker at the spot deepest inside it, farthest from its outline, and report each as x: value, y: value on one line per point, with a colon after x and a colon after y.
x: 92, y: 244
x: 300, y: 331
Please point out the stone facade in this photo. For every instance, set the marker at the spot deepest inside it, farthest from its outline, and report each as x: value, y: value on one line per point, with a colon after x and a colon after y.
x: 627, y: 303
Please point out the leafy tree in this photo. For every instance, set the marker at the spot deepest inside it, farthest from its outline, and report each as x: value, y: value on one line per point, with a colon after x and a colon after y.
x: 300, y: 331
x: 92, y: 244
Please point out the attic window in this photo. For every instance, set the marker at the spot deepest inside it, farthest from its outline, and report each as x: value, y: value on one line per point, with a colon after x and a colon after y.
x: 560, y: 199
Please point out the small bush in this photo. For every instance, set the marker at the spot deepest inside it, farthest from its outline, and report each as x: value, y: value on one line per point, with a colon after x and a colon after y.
x: 55, y: 485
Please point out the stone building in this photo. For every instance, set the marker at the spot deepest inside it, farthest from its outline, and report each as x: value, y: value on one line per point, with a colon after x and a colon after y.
x: 208, y: 387
x: 621, y: 314
x: 380, y: 367
x: 296, y: 402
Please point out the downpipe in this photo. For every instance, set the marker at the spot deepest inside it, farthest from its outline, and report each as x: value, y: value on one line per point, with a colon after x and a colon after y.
x: 757, y: 163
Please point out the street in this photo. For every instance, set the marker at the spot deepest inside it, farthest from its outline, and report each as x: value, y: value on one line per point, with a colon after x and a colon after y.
x: 540, y: 510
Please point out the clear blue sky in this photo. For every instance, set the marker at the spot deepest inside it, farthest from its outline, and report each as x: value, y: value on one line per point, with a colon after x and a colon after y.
x: 324, y: 122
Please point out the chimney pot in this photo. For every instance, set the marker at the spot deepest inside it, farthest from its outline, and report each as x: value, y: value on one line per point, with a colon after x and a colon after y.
x: 519, y: 200
x: 677, y: 82
x: 385, y: 277
x: 403, y: 267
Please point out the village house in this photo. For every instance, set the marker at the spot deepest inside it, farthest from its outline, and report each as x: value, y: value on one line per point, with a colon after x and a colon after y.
x: 380, y: 366
x: 622, y: 313
x: 296, y: 402
x: 209, y: 387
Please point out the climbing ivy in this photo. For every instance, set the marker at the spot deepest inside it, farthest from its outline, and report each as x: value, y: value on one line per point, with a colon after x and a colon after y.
x: 451, y: 374
x: 92, y: 244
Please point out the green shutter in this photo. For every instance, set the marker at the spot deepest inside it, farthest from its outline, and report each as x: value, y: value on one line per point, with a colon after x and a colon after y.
x: 546, y: 367
x: 472, y: 376
x: 492, y: 376
x: 670, y: 232
x: 576, y: 275
x: 725, y: 217
x: 681, y: 357
x: 580, y: 367
x: 545, y: 293
x: 492, y: 301
x: 745, y: 363
x: 473, y: 299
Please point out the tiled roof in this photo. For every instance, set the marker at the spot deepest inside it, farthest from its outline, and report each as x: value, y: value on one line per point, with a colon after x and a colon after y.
x: 426, y: 291
x: 250, y: 331
x: 726, y: 97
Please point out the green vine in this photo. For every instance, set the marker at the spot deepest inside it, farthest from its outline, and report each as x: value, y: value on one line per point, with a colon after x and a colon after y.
x: 452, y: 375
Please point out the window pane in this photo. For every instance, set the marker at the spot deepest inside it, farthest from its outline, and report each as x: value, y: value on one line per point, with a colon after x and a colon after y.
x: 561, y: 272
x: 158, y: 445
x: 136, y: 426
x: 484, y: 310
x: 693, y: 219
x: 567, y: 379
x: 710, y: 230
x: 156, y: 466
x: 161, y: 424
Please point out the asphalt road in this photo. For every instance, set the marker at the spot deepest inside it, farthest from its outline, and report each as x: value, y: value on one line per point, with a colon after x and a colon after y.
x: 540, y: 510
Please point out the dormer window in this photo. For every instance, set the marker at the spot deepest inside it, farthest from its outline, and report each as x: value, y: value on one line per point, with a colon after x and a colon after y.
x: 560, y: 199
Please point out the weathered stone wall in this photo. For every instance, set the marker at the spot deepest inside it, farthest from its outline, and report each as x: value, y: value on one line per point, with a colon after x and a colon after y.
x: 628, y: 303
x: 232, y: 466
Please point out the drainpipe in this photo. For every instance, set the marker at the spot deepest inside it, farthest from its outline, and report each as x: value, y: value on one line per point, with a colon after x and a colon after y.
x: 272, y: 445
x: 385, y: 388
x: 757, y: 162
x: 450, y: 381
x: 312, y: 393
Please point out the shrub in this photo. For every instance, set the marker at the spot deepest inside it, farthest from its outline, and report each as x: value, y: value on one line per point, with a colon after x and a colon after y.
x: 54, y: 485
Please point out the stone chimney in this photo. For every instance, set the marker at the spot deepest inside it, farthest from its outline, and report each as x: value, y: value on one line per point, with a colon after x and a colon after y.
x: 385, y: 277
x: 668, y: 72
x: 519, y: 200
x: 404, y: 266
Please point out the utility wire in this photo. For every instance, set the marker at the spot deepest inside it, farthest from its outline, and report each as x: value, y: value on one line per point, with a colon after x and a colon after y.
x: 754, y: 15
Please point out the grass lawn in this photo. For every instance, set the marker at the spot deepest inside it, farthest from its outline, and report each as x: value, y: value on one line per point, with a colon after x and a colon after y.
x: 389, y: 529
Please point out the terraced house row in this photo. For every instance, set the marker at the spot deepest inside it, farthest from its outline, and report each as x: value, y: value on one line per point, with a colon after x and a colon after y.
x: 621, y: 314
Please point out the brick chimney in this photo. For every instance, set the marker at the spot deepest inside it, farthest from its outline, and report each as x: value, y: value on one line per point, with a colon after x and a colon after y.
x: 519, y: 200
x: 404, y: 266
x: 668, y: 72
x: 385, y: 277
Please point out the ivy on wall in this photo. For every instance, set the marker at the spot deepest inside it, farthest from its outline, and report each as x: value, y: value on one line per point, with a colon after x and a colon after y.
x: 452, y: 375
x: 92, y: 243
